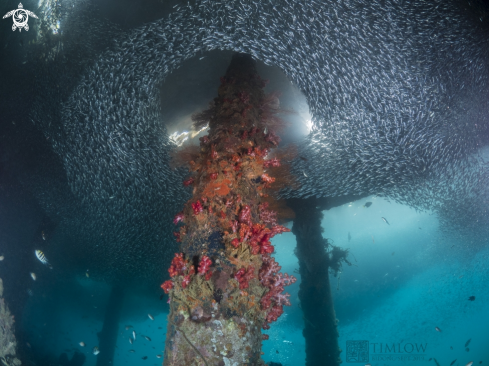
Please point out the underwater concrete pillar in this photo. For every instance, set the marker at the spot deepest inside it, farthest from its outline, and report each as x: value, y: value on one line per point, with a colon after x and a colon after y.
x: 225, y: 287
x: 316, y: 300
x: 108, y: 335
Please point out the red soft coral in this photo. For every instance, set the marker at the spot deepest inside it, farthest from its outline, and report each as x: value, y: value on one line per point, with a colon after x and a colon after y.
x: 167, y: 286
x: 266, y: 248
x: 197, y: 207
x: 235, y: 243
x: 204, y: 265
x: 178, y: 265
x: 243, y: 276
x: 278, y: 229
x: 244, y: 232
x: 274, y: 313
x: 208, y: 275
x: 188, y: 181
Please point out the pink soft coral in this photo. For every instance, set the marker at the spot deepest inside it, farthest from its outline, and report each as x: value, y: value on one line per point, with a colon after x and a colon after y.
x: 274, y: 163
x: 270, y: 277
x: 245, y: 215
x: 178, y: 217
x: 204, y: 265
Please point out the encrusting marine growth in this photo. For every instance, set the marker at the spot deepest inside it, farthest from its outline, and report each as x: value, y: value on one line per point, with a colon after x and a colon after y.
x: 225, y: 285
x: 8, y: 344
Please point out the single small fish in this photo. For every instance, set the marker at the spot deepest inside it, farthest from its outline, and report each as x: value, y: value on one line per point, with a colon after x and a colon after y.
x: 130, y: 340
x: 147, y: 338
x: 471, y: 362
x: 2, y: 257
x: 430, y: 359
x: 95, y: 351
x: 453, y: 362
x: 368, y: 364
x: 468, y: 342
x: 471, y: 298
x: 145, y: 357
x: 437, y: 329
x: 43, y: 235
x: 87, y: 274
x: 161, y: 297
x: 134, y: 334
x: 33, y: 275
x: 373, y: 241
x: 82, y: 344
x: 467, y: 349
x: 151, y: 317
x: 367, y: 204
x: 385, y: 220
x: 40, y: 255
x: 132, y: 351
x: 451, y: 347
x: 29, y: 292
x: 158, y: 356
x: 128, y: 327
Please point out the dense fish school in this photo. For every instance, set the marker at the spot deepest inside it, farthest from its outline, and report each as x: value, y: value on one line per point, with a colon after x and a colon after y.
x: 398, y: 92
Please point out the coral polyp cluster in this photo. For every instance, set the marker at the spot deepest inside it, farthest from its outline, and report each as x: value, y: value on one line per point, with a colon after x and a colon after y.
x: 225, y: 270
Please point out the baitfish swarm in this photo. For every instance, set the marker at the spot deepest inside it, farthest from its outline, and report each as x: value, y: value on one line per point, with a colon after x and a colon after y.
x: 397, y: 91
x: 224, y: 285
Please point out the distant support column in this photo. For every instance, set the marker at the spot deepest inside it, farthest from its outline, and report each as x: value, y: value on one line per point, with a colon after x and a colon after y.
x: 315, y: 296
x: 108, y: 336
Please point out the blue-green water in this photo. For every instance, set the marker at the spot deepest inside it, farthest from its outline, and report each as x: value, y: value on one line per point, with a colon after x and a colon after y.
x: 404, y: 281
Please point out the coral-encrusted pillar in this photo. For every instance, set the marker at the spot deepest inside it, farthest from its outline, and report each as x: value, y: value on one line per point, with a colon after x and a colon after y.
x: 225, y: 286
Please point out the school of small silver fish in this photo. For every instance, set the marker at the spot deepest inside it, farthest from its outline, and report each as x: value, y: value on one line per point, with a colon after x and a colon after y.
x: 397, y: 93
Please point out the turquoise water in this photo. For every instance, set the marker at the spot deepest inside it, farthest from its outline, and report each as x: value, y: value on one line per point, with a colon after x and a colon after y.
x: 404, y: 281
